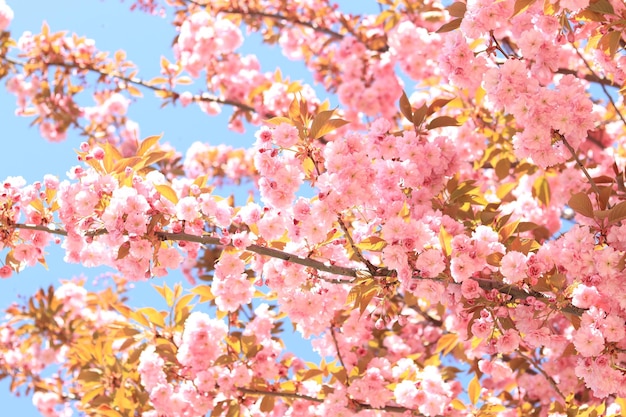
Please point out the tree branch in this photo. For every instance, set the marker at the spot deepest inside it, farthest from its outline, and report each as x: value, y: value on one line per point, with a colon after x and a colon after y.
x: 204, y: 97
x: 601, y: 85
x: 593, y: 184
x: 352, y: 273
x: 296, y: 396
x: 592, y: 78
x: 274, y: 16
x: 544, y: 373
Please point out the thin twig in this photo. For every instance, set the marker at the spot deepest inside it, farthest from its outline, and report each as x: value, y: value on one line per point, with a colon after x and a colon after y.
x: 356, y: 250
x: 540, y: 369
x: 332, y: 333
x: 593, y: 184
x: 601, y: 85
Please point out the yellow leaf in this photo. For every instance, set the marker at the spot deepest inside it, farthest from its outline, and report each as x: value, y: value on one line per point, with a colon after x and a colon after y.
x: 37, y: 205
x: 550, y: 8
x: 288, y: 386
x: 521, y: 6
x: 458, y: 405
x: 446, y: 341
x: 508, y: 229
x: 205, y: 293
x: 278, y: 120
x: 156, y: 317
x: 147, y: 143
x: 156, y: 80
x: 319, y: 121
x: 541, y: 190
x: 372, y: 243
x: 308, y: 165
x: 445, y: 240
x: 184, y: 80
x: 134, y: 91
x: 329, y: 126
x: 167, y: 192
x: 107, y: 411
x: 473, y: 390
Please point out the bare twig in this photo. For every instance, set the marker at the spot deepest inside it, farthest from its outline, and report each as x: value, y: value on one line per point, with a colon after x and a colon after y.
x: 593, y: 184
x: 372, y: 269
x: 334, y: 336
x: 617, y: 111
x: 274, y: 16
x: 540, y: 369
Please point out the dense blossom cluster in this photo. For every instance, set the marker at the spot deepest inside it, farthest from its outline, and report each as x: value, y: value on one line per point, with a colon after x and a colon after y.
x: 417, y: 246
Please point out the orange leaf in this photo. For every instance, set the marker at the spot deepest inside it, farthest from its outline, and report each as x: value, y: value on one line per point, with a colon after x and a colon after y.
x: 581, y: 204
x: 474, y: 390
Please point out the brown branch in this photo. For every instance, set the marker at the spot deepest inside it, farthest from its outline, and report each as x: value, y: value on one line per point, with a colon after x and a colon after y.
x: 592, y: 78
x: 356, y: 250
x: 274, y: 16
x: 204, y: 97
x: 593, y: 184
x: 334, y: 336
x: 352, y: 273
x: 544, y: 373
x: 601, y: 85
x: 210, y: 240
x: 427, y: 316
x: 296, y: 396
x: 273, y: 253
x: 521, y: 294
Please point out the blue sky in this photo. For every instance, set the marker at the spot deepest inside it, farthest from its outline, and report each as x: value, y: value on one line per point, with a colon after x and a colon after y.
x: 145, y: 38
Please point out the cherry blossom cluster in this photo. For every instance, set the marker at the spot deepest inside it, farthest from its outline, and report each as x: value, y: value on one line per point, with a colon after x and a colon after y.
x: 6, y: 15
x: 394, y: 245
x: 220, y: 163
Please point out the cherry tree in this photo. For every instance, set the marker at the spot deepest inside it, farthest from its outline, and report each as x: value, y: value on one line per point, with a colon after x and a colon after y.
x: 414, y: 234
